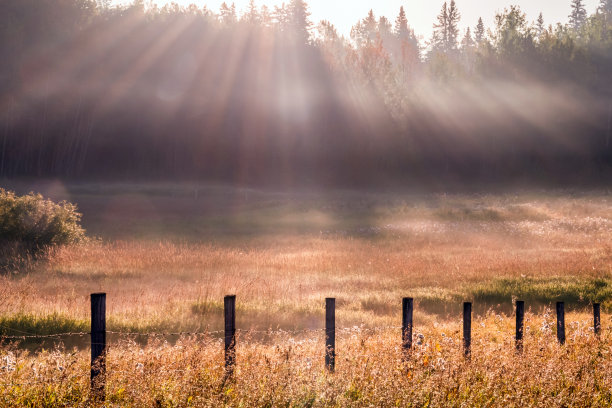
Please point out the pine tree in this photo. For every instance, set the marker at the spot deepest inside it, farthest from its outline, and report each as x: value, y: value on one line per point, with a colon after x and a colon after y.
x: 468, y: 41
x: 384, y: 27
x: 453, y: 26
x: 439, y: 38
x: 540, y: 28
x: 265, y: 16
x: 299, y: 22
x: 578, y: 16
x: 252, y: 15
x: 227, y: 13
x: 480, y: 31
x: 401, y: 25
x: 327, y: 32
x: 281, y: 17
x: 605, y: 7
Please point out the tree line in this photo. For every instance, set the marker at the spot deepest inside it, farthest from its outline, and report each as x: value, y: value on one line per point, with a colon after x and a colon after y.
x: 90, y: 90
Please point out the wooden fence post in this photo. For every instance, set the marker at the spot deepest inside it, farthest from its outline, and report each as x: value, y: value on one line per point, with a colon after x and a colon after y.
x: 229, y: 307
x: 520, y: 316
x: 330, y: 334
x: 597, y: 318
x: 561, y: 322
x: 98, y: 345
x: 407, y: 307
x: 467, y: 329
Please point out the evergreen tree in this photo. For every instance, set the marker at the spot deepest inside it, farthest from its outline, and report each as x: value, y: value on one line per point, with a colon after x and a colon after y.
x: 265, y: 16
x: 453, y: 26
x: 370, y: 26
x: 540, y: 28
x: 446, y: 31
x: 468, y: 41
x: 281, y: 17
x: 299, y: 22
x: 252, y: 15
x: 479, y: 33
x: 327, y: 31
x: 227, y: 14
x: 401, y: 25
x: 384, y: 26
x: 578, y: 16
x: 439, y: 38
x: 605, y: 7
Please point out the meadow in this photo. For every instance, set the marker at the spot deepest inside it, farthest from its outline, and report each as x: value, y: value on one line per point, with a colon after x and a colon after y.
x: 167, y: 254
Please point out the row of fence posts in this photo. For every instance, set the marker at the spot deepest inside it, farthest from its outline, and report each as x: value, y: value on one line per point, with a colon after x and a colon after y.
x: 98, y: 333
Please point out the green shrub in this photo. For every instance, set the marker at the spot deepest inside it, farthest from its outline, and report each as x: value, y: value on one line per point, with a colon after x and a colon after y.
x: 30, y: 224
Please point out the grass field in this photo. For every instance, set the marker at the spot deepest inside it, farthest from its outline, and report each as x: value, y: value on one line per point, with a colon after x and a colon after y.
x: 167, y: 254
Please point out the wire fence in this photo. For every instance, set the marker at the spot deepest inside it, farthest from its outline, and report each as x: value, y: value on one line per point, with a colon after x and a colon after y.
x: 231, y: 334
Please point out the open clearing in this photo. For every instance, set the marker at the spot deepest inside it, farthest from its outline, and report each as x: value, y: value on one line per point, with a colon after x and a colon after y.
x: 166, y: 255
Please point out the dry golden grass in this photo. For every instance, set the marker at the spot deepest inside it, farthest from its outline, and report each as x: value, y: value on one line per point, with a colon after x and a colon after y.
x: 282, y: 254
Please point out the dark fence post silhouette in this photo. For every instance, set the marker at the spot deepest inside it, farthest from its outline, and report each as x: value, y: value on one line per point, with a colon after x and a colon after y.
x: 596, y: 318
x: 229, y: 307
x: 520, y: 317
x: 407, y: 307
x: 561, y: 322
x: 467, y: 329
x: 330, y: 334
x: 98, y: 345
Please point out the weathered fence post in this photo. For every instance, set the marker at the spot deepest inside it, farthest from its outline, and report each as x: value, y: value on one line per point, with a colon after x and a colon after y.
x: 407, y: 304
x: 330, y: 334
x: 596, y: 318
x: 98, y: 345
x: 229, y: 307
x: 561, y: 322
x: 520, y: 316
x: 467, y: 329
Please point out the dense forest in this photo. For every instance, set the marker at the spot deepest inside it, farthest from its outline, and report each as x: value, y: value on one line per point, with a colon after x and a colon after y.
x: 94, y: 91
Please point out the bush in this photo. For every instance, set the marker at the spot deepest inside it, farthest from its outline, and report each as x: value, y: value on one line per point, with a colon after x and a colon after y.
x: 29, y: 225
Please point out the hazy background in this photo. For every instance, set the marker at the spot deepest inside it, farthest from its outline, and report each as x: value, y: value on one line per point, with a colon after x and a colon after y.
x: 95, y: 91
x: 421, y: 14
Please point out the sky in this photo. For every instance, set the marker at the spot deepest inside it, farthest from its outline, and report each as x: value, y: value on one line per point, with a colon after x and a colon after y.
x: 421, y: 13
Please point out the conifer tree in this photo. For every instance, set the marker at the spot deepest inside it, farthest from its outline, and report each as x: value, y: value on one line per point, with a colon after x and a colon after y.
x: 440, y: 33
x: 605, y: 7
x: 299, y: 22
x: 401, y: 25
x: 281, y: 17
x: 265, y: 16
x: 540, y: 28
x: 252, y: 15
x: 227, y: 14
x: 578, y: 16
x: 479, y: 33
x: 468, y: 41
x: 370, y: 26
x: 384, y: 25
x: 453, y: 26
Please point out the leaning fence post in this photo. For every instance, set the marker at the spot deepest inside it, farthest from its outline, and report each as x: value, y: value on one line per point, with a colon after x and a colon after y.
x: 229, y: 307
x: 520, y: 316
x: 467, y: 329
x: 596, y: 318
x: 98, y: 345
x: 561, y: 322
x: 407, y: 306
x: 330, y: 333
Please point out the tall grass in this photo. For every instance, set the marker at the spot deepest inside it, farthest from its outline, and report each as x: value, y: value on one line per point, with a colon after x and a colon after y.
x: 368, y: 252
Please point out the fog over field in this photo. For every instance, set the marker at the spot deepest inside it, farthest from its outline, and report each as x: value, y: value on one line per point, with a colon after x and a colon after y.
x: 423, y: 168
